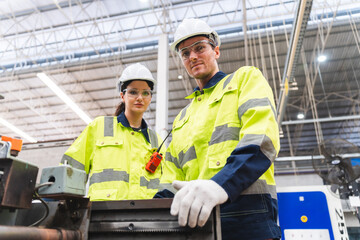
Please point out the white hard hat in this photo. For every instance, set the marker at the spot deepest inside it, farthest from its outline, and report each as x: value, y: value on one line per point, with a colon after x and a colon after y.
x: 193, y: 27
x: 135, y: 71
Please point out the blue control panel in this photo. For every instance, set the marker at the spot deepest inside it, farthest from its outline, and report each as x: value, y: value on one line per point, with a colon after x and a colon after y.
x: 305, y: 214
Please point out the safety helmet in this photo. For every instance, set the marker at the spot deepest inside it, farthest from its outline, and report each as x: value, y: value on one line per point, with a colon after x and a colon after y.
x: 193, y: 27
x: 135, y: 71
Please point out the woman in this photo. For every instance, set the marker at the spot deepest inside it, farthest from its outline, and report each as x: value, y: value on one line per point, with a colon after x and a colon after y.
x: 115, y: 150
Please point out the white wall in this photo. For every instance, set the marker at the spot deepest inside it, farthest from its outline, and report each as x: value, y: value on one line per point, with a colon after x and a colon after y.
x: 43, y: 157
x: 298, y: 180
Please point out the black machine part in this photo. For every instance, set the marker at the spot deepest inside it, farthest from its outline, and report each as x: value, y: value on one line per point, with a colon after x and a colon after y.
x: 17, y: 179
x: 80, y: 219
x: 336, y: 167
x: 146, y: 219
x: 67, y: 219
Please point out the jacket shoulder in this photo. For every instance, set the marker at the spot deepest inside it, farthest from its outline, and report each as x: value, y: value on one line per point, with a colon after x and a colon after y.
x: 102, y: 121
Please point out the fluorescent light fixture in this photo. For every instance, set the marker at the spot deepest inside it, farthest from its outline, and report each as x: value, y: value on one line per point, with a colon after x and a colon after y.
x: 300, y: 116
x: 321, y: 58
x: 62, y: 95
x: 18, y: 131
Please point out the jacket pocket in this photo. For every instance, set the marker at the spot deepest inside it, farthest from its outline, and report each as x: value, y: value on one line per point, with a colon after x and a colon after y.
x: 109, y: 154
x: 224, y: 140
x: 218, y: 96
x: 181, y: 122
x: 216, y: 161
x: 109, y: 143
x: 253, y: 206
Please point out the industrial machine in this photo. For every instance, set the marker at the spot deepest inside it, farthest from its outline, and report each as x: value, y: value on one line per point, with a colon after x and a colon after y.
x: 19, y: 209
x: 146, y: 219
x: 311, y: 212
x: 316, y: 212
x: 57, y: 209
x: 17, y: 180
x: 338, y: 165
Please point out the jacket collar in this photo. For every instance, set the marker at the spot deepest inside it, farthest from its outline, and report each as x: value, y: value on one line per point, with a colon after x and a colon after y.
x: 124, y: 121
x: 211, y: 83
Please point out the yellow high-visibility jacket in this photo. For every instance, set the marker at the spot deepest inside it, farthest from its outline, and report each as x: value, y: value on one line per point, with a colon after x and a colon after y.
x: 229, y: 134
x: 115, y: 156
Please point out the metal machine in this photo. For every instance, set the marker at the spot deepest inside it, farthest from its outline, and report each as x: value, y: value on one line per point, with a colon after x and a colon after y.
x: 57, y: 209
x: 311, y: 212
x: 19, y: 213
x: 146, y: 219
x: 63, y: 181
x: 17, y: 180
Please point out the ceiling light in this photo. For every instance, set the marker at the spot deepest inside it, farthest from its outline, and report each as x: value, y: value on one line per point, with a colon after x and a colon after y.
x: 62, y: 95
x: 321, y: 58
x: 300, y: 116
x: 180, y: 77
x: 17, y: 130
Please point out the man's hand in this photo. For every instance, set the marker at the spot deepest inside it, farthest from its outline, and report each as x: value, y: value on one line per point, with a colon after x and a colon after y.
x: 195, y: 201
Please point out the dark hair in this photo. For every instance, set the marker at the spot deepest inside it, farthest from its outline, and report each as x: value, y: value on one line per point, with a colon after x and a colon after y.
x: 121, y: 107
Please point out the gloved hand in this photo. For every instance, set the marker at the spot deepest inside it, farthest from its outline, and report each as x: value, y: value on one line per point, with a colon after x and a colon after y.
x: 195, y: 201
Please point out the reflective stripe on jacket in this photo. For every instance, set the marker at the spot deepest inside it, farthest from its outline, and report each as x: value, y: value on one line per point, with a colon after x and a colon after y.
x: 115, y: 157
x: 229, y: 134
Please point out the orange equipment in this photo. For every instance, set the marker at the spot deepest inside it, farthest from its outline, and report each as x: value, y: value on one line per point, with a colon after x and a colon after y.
x: 155, y: 158
x: 16, y: 144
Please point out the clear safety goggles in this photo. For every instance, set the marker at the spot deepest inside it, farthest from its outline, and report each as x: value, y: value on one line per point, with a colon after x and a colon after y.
x: 135, y: 93
x: 196, y: 47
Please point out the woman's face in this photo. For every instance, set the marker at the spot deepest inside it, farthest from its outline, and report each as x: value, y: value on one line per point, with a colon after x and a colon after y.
x: 137, y: 97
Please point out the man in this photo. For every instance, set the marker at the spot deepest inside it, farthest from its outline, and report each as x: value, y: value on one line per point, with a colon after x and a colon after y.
x: 223, y: 143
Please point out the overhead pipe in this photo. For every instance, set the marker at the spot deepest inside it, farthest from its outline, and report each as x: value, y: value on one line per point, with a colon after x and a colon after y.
x: 297, y: 36
x: 329, y: 119
x: 315, y: 157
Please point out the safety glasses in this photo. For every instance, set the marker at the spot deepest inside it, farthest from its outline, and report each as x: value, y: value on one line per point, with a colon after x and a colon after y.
x: 196, y: 47
x: 134, y: 93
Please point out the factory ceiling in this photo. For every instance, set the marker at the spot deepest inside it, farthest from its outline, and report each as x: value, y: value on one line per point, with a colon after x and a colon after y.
x: 84, y: 45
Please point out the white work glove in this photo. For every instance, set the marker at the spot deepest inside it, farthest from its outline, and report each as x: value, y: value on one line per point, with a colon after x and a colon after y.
x: 195, y: 201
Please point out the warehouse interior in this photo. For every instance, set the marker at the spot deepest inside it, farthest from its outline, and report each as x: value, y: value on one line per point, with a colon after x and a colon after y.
x: 311, y: 59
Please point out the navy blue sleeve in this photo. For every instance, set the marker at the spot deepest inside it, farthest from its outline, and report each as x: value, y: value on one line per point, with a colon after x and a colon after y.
x: 164, y: 194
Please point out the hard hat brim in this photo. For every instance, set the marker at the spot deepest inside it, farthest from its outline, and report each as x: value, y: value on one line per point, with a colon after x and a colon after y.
x: 177, y: 42
x: 120, y: 83
x: 140, y: 79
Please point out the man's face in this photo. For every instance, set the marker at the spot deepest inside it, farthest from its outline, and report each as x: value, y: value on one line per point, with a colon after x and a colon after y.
x: 199, y: 58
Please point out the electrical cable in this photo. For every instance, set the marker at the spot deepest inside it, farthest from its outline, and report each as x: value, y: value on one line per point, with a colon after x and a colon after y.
x: 42, y: 201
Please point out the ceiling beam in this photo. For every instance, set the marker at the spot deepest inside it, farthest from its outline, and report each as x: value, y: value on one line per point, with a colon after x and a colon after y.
x: 329, y: 119
x: 297, y: 36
